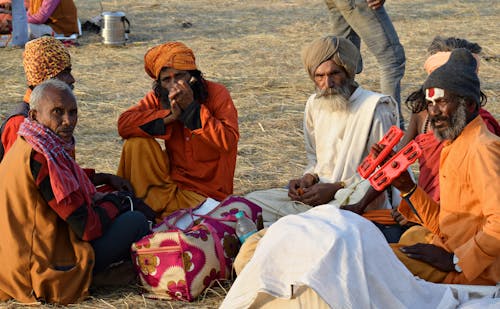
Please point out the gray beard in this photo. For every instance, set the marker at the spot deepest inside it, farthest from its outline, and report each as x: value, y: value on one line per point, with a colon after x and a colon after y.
x: 457, y: 123
x: 334, y: 99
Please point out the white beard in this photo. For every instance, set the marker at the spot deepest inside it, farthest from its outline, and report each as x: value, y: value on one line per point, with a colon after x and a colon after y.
x: 332, y: 103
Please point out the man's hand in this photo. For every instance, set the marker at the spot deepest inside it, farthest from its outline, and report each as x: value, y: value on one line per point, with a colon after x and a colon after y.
x: 320, y: 193
x: 296, y: 186
x: 361, y: 206
x: 357, y: 208
x: 181, y: 95
x: 404, y: 182
x: 398, y: 217
x: 432, y: 255
x: 116, y: 182
x: 375, y: 4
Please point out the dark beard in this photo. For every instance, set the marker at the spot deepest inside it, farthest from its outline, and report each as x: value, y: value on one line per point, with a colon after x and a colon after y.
x: 456, y: 124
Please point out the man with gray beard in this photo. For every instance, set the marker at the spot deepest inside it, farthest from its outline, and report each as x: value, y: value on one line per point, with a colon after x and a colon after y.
x: 342, y: 120
x: 462, y: 240
x: 326, y: 258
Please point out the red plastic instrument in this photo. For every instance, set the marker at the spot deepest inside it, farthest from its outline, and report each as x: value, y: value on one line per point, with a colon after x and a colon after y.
x: 384, y: 176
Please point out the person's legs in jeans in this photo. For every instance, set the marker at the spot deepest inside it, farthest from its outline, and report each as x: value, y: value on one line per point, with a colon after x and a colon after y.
x: 19, y: 24
x: 376, y: 30
x: 114, y: 245
x: 341, y: 28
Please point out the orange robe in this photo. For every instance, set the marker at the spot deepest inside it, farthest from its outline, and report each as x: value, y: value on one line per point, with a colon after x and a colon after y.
x: 467, y: 219
x: 201, y: 160
x: 41, y: 256
x: 63, y: 20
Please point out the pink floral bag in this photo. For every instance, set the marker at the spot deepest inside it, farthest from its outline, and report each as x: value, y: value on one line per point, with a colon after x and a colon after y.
x: 178, y: 264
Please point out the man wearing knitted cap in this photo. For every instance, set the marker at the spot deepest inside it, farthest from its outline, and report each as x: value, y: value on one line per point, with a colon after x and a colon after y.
x: 465, y: 224
x: 342, y: 120
x: 198, y: 122
x: 43, y: 59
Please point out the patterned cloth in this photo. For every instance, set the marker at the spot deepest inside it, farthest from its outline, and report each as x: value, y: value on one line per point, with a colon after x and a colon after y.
x: 171, y: 54
x: 44, y: 58
x: 65, y: 175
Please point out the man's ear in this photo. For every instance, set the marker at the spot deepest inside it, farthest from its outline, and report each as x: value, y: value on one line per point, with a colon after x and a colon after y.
x: 472, y: 106
x: 32, y: 114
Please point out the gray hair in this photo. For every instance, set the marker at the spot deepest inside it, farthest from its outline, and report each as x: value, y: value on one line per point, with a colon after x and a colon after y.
x: 40, y: 92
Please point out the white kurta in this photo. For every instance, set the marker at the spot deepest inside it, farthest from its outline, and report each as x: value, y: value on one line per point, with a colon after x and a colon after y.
x: 336, y: 143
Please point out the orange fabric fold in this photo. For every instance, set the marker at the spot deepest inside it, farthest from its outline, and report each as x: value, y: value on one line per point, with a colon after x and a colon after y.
x: 381, y: 216
x: 147, y: 167
x: 34, y: 6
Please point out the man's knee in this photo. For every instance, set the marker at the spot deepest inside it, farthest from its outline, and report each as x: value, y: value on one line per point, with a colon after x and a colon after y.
x: 140, y: 143
x: 247, y: 250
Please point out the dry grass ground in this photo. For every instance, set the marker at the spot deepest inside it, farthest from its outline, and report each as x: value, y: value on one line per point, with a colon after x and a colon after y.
x: 253, y: 48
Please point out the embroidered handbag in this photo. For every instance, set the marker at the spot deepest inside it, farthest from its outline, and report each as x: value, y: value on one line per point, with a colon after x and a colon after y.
x: 178, y: 264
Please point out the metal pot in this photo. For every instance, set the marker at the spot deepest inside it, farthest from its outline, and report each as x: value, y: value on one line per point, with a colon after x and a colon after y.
x: 116, y: 28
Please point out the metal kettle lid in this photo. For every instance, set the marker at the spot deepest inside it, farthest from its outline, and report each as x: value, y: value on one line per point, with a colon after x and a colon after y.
x: 113, y: 13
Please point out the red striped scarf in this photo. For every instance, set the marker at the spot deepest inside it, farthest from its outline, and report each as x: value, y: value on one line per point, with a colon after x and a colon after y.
x: 65, y: 175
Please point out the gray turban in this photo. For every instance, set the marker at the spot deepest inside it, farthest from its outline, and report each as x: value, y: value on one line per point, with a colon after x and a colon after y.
x: 340, y: 50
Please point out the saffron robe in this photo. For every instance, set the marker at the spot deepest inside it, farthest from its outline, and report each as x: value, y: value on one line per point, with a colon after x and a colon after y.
x: 41, y: 257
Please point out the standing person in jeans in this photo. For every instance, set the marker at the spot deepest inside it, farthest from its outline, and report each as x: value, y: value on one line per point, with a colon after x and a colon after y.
x: 367, y: 20
x: 19, y: 24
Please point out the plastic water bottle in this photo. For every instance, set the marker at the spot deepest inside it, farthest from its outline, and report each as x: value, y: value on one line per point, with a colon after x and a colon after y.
x: 244, y: 226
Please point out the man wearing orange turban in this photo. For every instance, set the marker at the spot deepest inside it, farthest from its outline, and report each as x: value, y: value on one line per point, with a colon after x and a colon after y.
x: 198, y: 122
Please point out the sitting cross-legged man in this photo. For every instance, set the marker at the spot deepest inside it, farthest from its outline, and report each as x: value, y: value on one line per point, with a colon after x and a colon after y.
x: 198, y: 123
x: 56, y: 231
x: 341, y: 122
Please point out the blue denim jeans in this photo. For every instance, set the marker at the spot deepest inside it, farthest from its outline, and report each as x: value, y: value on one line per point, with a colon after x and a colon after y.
x: 114, y: 245
x: 19, y: 24
x: 353, y: 19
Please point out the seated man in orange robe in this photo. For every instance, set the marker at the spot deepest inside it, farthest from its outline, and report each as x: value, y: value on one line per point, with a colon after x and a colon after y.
x: 56, y: 230
x: 462, y: 242
x: 306, y: 261
x: 52, y: 17
x: 198, y: 122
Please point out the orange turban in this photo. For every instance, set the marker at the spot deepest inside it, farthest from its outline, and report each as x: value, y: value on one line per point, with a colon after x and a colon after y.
x: 43, y: 59
x: 174, y: 55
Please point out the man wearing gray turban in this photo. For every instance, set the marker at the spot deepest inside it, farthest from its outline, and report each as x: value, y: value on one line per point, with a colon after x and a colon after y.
x: 341, y: 122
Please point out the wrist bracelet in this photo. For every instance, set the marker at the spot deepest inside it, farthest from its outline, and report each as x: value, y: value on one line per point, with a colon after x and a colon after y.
x: 409, y: 193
